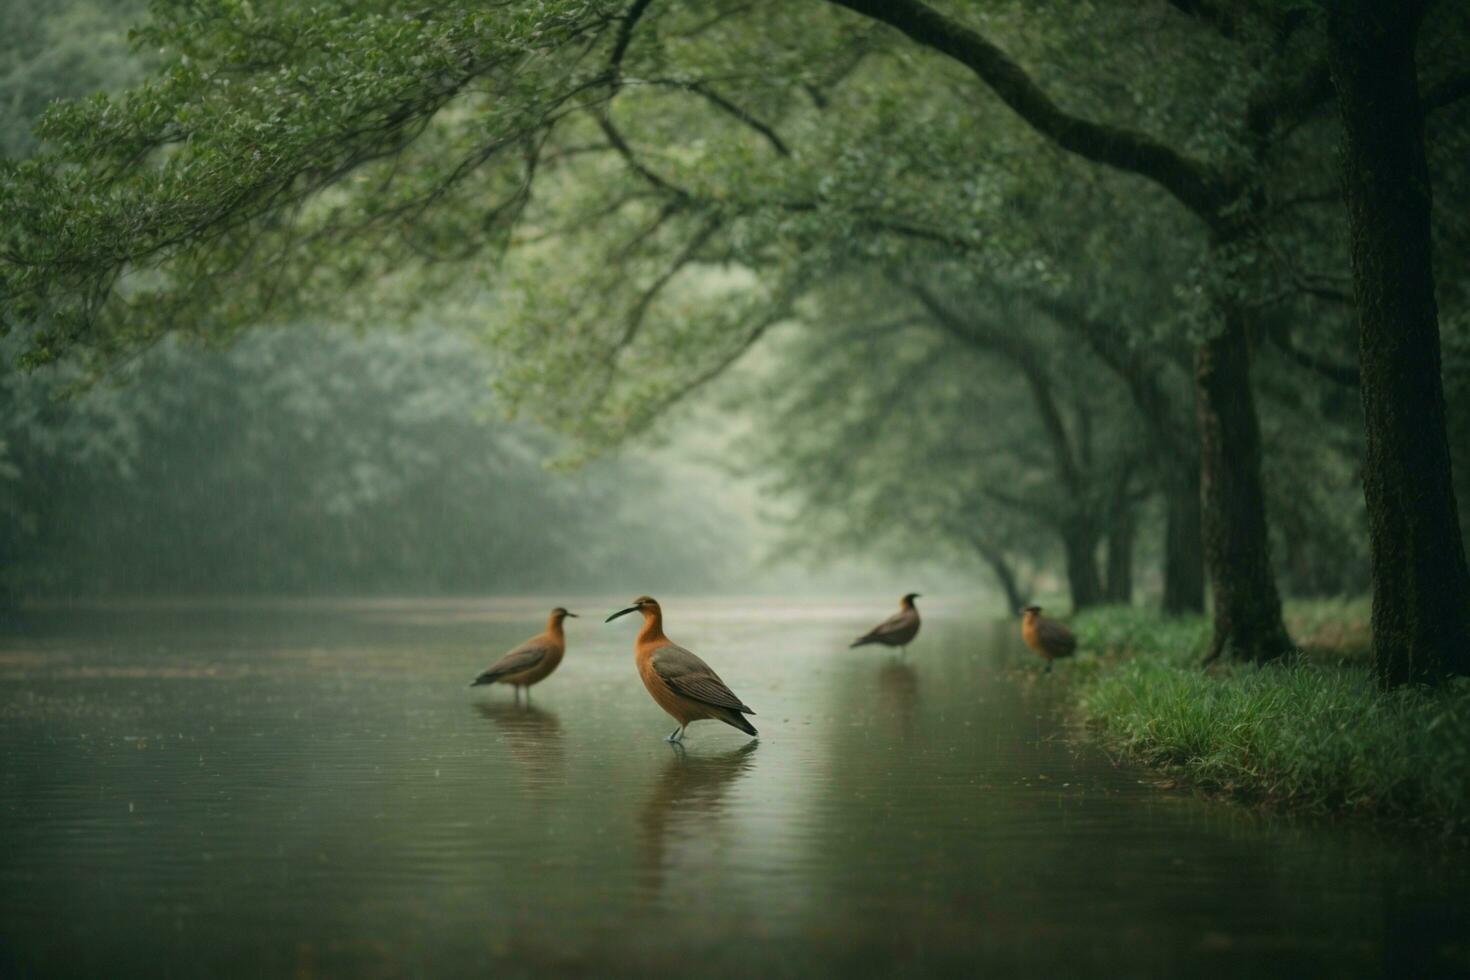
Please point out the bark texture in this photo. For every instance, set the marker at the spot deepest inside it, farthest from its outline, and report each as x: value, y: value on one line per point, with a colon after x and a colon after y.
x: 1248, y: 624
x: 1119, y: 585
x: 1421, y: 589
x: 1004, y: 575
x: 1184, y: 568
x: 1079, y: 544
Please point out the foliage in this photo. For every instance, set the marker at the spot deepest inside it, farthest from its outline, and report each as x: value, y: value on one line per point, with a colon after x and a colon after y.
x: 308, y: 460
x: 1117, y: 630
x: 627, y: 199
x: 1303, y: 734
x: 63, y: 50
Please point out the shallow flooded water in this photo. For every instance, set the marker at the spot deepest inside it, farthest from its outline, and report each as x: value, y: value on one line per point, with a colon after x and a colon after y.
x: 310, y: 789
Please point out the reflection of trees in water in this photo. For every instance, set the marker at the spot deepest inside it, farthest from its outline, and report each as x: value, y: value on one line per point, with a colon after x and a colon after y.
x: 533, y: 741
x: 684, y: 814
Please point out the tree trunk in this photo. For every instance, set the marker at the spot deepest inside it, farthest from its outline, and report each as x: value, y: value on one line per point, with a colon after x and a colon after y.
x: 1184, y: 568
x: 1079, y: 543
x: 1119, y: 588
x: 1006, y: 576
x: 1248, y: 625
x: 1421, y: 589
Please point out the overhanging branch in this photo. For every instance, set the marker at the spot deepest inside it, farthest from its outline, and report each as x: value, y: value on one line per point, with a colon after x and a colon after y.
x: 1193, y: 184
x: 1446, y: 91
x: 729, y: 108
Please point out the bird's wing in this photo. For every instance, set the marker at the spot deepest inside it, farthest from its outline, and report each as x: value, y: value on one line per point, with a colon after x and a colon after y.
x: 686, y: 674
x: 1055, y: 636
x: 523, y: 657
x: 892, y: 624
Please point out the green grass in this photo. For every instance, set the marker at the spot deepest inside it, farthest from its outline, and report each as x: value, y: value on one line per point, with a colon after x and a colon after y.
x: 1309, y: 734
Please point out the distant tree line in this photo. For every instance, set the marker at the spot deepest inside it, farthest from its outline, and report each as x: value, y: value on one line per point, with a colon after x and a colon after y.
x: 309, y: 460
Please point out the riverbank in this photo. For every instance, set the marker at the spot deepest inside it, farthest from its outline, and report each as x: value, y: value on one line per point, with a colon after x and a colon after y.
x: 1313, y: 734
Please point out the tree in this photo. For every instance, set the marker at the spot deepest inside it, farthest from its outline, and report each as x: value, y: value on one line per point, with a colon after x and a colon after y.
x: 1421, y: 589
x: 1247, y: 607
x: 315, y: 460
x: 986, y: 429
x: 216, y: 218
x: 229, y: 188
x: 902, y: 465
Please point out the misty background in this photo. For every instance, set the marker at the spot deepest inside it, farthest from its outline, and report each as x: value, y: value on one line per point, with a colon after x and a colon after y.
x: 843, y: 452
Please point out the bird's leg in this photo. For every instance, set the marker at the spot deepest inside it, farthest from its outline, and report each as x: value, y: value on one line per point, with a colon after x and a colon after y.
x: 676, y: 734
x: 1048, y: 668
x: 528, y: 695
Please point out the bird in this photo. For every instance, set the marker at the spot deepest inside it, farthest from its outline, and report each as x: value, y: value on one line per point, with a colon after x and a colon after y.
x: 532, y: 661
x: 897, y: 630
x: 682, y: 684
x: 1046, y: 636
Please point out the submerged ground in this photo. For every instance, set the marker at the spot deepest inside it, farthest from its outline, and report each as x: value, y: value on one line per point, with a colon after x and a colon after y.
x: 309, y: 789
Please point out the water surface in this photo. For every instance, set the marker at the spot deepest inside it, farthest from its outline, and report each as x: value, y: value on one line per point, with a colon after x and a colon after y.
x: 309, y: 789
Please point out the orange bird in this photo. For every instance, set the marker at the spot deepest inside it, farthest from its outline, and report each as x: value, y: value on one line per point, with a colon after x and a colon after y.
x: 1046, y: 636
x: 897, y: 630
x: 681, y: 683
x: 532, y: 661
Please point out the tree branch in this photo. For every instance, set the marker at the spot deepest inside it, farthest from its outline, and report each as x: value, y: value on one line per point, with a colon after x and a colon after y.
x: 729, y: 108
x: 623, y: 39
x: 688, y: 254
x: 1224, y: 20
x: 1018, y: 353
x: 1445, y: 92
x: 1196, y: 186
x: 757, y: 331
x: 1288, y: 104
x: 1143, y: 381
x: 1336, y: 373
x: 631, y: 159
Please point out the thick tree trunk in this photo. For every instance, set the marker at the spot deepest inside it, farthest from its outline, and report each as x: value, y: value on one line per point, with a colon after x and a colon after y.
x: 1079, y: 544
x: 1184, y: 567
x: 1421, y: 589
x: 1248, y: 625
x: 1119, y: 587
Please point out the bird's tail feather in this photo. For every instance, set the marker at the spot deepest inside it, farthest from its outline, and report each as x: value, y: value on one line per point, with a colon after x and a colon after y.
x: 737, y: 720
x: 861, y: 641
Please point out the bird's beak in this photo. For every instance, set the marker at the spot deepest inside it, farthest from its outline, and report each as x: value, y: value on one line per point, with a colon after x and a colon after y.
x: 620, y: 612
x: 573, y: 615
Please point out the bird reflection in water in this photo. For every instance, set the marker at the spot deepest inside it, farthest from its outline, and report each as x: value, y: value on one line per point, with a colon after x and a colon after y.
x: 532, y: 740
x: 684, y: 820
x: 898, y: 695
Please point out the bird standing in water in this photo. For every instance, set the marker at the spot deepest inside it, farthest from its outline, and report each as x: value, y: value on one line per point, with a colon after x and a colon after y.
x: 1046, y: 636
x: 681, y: 683
x: 532, y: 661
x: 897, y: 630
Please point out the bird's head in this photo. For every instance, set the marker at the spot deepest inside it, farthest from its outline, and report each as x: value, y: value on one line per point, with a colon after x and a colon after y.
x: 908, y: 600
x: 560, y: 613
x: 646, y: 604
x: 1031, y: 611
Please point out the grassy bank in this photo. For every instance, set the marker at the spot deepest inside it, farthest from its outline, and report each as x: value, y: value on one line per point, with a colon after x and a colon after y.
x: 1314, y: 733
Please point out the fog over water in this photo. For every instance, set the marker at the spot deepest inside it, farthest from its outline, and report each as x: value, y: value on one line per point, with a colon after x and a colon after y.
x: 257, y: 788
